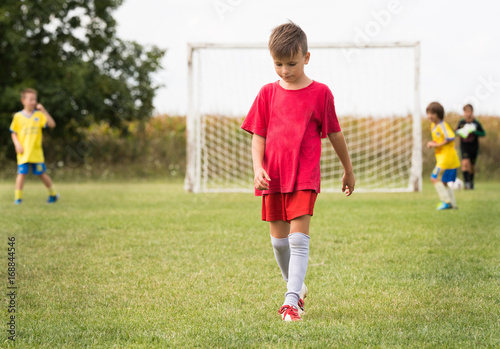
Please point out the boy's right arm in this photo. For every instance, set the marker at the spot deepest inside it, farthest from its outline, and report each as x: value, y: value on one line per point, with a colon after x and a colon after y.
x: 17, y: 144
x: 261, y: 177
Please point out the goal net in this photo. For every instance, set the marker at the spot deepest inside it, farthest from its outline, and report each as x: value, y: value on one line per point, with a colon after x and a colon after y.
x: 376, y: 91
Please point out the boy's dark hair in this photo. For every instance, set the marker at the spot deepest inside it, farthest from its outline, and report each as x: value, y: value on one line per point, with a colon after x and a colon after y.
x: 469, y: 106
x: 436, y: 108
x: 28, y: 90
x: 286, y: 40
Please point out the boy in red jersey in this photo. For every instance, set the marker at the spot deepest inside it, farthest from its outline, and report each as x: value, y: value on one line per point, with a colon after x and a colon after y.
x: 287, y: 120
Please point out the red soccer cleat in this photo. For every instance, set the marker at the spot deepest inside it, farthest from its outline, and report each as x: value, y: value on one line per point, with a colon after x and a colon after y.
x: 289, y: 313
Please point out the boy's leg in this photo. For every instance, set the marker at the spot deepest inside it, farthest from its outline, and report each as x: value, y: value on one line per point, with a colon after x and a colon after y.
x: 448, y: 176
x: 46, y: 180
x: 48, y: 183
x: 466, y: 179
x: 436, y: 177
x: 466, y: 170
x: 18, y: 194
x: 442, y: 191
x: 299, y: 257
x: 40, y: 171
x: 20, y: 181
x: 471, y: 175
x: 451, y: 195
x: 281, y: 246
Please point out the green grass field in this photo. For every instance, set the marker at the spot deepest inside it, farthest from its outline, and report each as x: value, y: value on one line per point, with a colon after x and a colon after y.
x: 145, y: 265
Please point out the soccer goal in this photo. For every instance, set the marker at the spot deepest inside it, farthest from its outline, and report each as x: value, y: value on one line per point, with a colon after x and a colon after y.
x: 376, y: 91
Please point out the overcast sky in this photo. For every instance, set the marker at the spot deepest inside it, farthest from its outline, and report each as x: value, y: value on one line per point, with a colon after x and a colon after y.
x: 460, y: 40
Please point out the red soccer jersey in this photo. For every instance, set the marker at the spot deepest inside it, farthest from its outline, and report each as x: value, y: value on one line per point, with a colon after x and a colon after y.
x: 293, y: 123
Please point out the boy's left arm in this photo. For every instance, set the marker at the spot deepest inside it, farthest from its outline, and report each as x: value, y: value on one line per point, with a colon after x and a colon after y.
x: 480, y: 132
x: 50, y: 121
x: 432, y: 144
x: 338, y: 142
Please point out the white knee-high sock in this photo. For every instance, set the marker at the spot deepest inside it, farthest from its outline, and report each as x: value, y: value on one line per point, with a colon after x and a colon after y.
x: 451, y: 194
x: 281, y: 249
x: 299, y: 257
x: 442, y: 192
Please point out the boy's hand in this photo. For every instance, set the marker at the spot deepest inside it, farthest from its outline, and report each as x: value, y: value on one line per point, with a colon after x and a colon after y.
x: 19, y: 149
x: 348, y: 182
x: 431, y: 144
x: 261, y: 179
x: 50, y: 121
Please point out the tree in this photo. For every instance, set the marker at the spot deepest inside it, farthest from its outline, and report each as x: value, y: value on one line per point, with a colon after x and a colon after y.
x: 69, y: 51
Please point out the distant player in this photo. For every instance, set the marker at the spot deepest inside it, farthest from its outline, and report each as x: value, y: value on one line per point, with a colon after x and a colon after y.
x: 287, y: 120
x: 26, y: 132
x: 469, y: 130
x: 446, y: 156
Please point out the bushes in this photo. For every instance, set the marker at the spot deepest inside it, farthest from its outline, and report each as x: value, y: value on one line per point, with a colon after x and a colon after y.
x: 157, y: 149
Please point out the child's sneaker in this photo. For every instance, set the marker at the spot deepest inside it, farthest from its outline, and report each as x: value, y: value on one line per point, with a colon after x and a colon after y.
x: 52, y: 198
x: 302, y: 296
x: 18, y: 202
x: 289, y: 313
x: 444, y: 206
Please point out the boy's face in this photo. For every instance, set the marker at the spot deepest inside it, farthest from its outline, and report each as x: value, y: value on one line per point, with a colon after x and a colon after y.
x: 433, y: 118
x: 468, y: 114
x: 29, y: 101
x: 292, y: 68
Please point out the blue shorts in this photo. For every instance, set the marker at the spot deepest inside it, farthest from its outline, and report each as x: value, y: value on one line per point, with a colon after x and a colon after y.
x: 37, y: 168
x: 446, y: 175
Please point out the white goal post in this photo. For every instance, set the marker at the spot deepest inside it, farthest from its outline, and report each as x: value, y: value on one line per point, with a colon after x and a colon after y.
x: 376, y: 87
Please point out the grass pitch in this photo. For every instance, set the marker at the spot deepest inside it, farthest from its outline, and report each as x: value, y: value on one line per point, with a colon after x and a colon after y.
x: 135, y: 265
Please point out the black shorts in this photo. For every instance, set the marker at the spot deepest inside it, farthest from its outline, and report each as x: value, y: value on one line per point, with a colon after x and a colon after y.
x: 469, y: 153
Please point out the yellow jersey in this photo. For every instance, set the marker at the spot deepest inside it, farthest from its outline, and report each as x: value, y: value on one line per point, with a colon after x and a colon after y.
x: 446, y: 155
x: 29, y: 132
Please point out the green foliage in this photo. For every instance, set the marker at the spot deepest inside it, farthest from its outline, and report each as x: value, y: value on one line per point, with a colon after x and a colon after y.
x: 146, y: 265
x: 139, y: 149
x: 157, y: 148
x: 69, y: 52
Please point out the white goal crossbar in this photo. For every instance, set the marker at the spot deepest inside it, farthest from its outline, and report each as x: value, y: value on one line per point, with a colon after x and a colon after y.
x: 385, y: 144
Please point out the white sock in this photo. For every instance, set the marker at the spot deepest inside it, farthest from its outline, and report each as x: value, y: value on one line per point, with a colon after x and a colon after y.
x: 281, y: 249
x: 299, y: 257
x: 442, y: 192
x: 451, y: 194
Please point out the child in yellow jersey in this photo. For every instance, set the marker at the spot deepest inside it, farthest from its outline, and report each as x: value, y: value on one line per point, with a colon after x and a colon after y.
x: 26, y: 131
x: 447, y: 161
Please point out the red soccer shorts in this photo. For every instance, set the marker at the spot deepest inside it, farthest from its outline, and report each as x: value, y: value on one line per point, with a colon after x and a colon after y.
x: 287, y: 206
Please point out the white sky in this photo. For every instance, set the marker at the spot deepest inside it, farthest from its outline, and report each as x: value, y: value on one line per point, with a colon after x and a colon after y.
x: 460, y: 39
